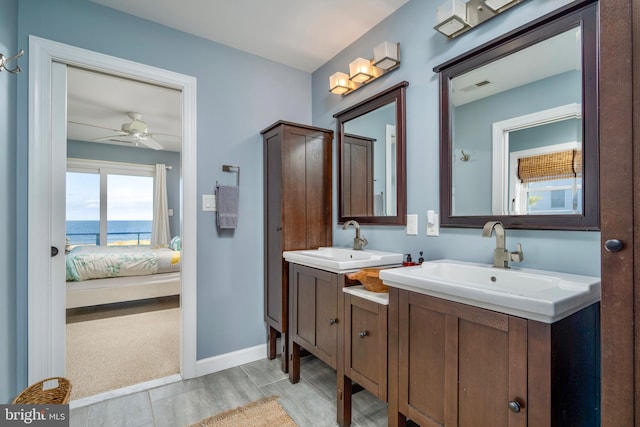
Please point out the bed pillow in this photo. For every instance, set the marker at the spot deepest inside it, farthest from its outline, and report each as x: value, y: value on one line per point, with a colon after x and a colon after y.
x: 176, y: 244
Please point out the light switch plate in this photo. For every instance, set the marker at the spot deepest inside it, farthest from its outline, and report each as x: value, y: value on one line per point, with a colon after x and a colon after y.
x: 412, y: 225
x: 208, y: 202
x: 433, y: 223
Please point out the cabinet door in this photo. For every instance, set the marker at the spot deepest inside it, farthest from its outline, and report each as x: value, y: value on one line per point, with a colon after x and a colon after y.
x: 275, y: 289
x: 366, y: 344
x: 315, y: 312
x: 460, y: 365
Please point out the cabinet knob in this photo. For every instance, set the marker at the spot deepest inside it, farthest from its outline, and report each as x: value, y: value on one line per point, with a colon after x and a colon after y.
x: 333, y: 321
x: 279, y: 228
x: 363, y: 334
x: 613, y: 245
x: 514, y: 406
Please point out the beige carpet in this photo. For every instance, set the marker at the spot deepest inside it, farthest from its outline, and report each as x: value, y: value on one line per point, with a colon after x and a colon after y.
x: 112, y: 350
x: 265, y: 412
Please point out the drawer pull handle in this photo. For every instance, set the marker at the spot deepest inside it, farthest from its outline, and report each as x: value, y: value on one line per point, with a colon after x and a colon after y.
x: 333, y: 321
x: 363, y: 334
x: 514, y: 406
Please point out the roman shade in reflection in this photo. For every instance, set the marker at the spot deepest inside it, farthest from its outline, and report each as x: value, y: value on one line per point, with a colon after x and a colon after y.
x: 550, y: 166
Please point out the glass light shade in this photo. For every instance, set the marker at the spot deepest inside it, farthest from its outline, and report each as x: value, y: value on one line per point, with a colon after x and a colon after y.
x: 339, y: 83
x: 360, y: 70
x: 451, y: 17
x: 386, y: 55
x: 497, y: 5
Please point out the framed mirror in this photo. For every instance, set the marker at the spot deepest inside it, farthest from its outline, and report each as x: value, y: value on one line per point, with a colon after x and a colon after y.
x: 372, y: 184
x: 519, y: 127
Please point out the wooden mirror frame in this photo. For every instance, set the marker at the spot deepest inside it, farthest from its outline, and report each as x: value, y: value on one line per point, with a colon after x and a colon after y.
x: 582, y: 13
x: 395, y: 93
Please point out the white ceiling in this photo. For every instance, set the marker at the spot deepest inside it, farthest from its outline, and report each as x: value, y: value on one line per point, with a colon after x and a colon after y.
x: 548, y: 58
x: 303, y: 34
x: 101, y: 103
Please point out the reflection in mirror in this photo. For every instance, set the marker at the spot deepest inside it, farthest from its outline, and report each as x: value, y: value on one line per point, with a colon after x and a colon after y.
x: 514, y: 142
x: 371, y: 160
x: 368, y: 175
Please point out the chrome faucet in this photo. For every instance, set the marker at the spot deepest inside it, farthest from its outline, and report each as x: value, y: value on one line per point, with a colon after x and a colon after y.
x: 358, y: 242
x: 501, y: 256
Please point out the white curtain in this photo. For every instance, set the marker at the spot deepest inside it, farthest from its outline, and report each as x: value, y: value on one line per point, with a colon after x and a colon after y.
x: 160, y: 234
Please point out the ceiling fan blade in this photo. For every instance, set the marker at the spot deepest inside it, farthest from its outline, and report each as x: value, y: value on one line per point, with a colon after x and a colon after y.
x: 150, y: 142
x: 168, y: 135
x: 107, y: 138
x: 94, y: 126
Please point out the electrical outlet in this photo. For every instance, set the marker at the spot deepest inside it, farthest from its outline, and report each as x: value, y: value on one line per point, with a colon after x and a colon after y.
x: 412, y: 225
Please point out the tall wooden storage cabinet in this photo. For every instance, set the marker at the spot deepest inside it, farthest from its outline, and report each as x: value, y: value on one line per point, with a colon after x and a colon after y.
x: 297, y: 212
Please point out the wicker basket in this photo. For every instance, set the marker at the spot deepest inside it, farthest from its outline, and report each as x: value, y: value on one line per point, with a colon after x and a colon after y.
x: 35, y: 395
x: 370, y: 279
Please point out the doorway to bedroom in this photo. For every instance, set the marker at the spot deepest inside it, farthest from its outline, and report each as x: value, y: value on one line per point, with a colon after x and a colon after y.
x: 110, y: 180
x: 122, y: 239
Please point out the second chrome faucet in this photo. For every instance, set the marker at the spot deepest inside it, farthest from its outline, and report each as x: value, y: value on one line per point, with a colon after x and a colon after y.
x: 501, y: 256
x: 358, y: 242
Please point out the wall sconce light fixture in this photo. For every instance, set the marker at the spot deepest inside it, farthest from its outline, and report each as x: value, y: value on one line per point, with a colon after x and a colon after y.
x: 386, y: 58
x: 455, y: 17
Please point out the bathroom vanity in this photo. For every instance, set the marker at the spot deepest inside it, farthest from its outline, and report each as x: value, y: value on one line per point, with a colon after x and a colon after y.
x: 324, y: 319
x: 455, y: 360
x: 316, y: 306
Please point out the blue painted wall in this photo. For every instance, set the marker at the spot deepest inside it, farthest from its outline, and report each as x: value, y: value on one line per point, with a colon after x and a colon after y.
x: 115, y: 153
x: 422, y: 48
x: 238, y: 95
x: 8, y: 97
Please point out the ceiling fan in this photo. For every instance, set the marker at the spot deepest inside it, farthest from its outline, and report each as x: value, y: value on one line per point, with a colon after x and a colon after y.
x: 134, y: 131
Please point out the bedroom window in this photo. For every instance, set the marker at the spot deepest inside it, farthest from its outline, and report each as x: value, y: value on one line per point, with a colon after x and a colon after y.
x: 108, y: 203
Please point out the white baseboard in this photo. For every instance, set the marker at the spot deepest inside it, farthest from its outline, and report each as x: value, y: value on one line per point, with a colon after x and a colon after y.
x: 230, y: 360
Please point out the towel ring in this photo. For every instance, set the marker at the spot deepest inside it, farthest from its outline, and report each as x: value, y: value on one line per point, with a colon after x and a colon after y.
x: 232, y: 168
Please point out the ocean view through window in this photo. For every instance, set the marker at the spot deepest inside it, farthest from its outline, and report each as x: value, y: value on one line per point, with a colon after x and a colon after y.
x: 108, y: 207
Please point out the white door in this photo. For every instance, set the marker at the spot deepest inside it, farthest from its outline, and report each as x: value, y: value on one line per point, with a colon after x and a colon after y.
x: 47, y: 196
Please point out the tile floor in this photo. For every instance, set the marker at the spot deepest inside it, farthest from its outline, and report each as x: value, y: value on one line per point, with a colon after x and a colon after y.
x: 311, y: 402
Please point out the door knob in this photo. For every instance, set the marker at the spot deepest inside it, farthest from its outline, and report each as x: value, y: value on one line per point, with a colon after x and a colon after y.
x: 613, y: 245
x: 54, y: 251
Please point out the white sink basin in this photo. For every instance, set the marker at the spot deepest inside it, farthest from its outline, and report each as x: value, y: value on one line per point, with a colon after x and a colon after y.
x: 339, y: 260
x: 545, y: 296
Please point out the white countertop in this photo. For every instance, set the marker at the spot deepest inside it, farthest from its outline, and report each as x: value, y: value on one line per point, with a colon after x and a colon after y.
x: 360, y: 291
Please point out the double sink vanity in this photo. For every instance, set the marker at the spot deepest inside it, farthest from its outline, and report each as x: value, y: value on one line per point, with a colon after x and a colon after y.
x: 452, y: 342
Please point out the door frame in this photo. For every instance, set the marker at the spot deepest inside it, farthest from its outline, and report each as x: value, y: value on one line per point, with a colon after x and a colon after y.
x: 46, y: 333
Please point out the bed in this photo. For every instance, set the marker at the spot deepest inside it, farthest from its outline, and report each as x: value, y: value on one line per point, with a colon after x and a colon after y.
x: 108, y: 274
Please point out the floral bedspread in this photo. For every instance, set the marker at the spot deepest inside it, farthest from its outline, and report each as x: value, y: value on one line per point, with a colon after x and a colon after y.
x: 99, y: 262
